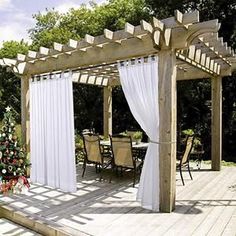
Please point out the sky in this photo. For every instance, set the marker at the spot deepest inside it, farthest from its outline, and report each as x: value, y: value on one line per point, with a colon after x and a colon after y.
x: 16, y: 15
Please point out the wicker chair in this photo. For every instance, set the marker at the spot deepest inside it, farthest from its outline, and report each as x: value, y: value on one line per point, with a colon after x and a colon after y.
x: 122, y: 155
x: 184, y: 157
x: 94, y: 153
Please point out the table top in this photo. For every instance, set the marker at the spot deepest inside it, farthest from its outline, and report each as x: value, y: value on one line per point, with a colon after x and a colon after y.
x: 134, y: 145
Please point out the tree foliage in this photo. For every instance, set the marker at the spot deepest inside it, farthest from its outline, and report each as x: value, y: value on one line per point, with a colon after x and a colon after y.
x: 55, y: 27
x: 11, y: 48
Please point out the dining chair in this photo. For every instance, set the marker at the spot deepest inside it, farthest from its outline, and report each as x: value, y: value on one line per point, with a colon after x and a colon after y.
x: 94, y: 153
x: 123, y: 157
x: 184, y: 157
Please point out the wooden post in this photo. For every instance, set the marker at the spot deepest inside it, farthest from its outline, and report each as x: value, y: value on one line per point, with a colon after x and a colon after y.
x: 25, y: 126
x: 167, y: 135
x: 107, y: 111
x: 216, y: 123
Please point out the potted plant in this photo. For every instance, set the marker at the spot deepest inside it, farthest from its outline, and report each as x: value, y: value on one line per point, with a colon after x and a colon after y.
x: 197, y: 145
x: 137, y: 136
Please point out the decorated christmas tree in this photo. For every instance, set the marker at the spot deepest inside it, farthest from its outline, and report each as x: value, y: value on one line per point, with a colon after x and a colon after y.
x: 13, y: 162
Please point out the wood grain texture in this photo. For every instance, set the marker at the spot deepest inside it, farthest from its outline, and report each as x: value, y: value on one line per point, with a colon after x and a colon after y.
x: 167, y: 135
x: 216, y: 123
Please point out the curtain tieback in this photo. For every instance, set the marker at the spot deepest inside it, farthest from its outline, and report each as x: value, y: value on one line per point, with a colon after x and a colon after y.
x: 151, y: 141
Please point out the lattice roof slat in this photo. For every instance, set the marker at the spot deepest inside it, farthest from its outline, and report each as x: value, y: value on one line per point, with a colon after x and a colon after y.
x: 197, y: 43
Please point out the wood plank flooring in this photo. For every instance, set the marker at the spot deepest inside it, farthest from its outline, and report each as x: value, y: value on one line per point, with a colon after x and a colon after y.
x: 204, y: 206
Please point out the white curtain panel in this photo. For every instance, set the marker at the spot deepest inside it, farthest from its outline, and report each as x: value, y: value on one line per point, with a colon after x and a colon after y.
x: 139, y: 80
x: 52, y: 132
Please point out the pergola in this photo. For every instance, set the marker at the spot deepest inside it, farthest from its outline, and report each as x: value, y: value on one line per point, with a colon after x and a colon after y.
x: 191, y: 50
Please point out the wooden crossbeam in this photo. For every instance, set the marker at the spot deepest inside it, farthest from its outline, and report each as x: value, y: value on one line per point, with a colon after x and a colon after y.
x: 146, y: 26
x: 214, y: 51
x: 58, y: 47
x: 9, y: 62
x: 197, y: 59
x: 179, y: 16
x: 32, y: 54
x: 44, y: 51
x: 207, y: 52
x: 73, y: 43
x: 94, y: 79
x: 157, y: 24
x: 191, y: 53
x: 2, y: 63
x: 198, y: 54
x: 108, y: 34
x: 218, y: 44
x: 90, y: 41
x: 195, y: 30
x: 187, y: 18
x: 21, y: 57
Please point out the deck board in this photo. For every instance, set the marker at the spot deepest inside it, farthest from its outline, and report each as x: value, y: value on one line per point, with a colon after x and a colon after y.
x: 206, y: 205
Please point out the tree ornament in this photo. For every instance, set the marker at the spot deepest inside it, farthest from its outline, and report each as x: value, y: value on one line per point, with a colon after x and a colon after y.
x: 10, y: 168
x: 8, y: 109
x: 3, y: 135
x: 4, y: 171
x: 12, y: 124
x: 21, y: 154
x: 10, y: 136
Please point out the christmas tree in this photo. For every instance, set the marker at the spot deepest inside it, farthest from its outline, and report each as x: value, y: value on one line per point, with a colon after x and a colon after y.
x: 13, y: 162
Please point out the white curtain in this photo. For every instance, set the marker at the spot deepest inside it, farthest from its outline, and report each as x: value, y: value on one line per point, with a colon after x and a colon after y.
x: 139, y: 80
x: 52, y: 132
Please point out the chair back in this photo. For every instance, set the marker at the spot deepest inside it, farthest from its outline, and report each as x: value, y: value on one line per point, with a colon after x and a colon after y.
x: 88, y: 131
x: 122, y: 151
x: 92, y: 147
x: 188, y: 148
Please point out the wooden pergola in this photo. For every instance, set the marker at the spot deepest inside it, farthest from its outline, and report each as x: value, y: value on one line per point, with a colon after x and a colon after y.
x: 191, y: 50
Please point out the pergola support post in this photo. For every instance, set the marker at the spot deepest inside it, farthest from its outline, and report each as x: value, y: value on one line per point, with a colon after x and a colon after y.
x: 25, y: 116
x: 216, y: 123
x: 167, y: 135
x: 107, y: 111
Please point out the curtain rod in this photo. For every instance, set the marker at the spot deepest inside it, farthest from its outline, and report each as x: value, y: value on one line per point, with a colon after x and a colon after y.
x: 72, y: 70
x: 88, y: 67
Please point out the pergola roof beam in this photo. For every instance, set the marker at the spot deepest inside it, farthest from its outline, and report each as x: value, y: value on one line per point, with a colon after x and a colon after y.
x: 9, y: 62
x: 190, y: 59
x: 183, y: 31
x: 187, y: 18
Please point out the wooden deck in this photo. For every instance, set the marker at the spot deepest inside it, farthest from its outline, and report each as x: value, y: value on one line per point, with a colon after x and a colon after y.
x: 205, y: 206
